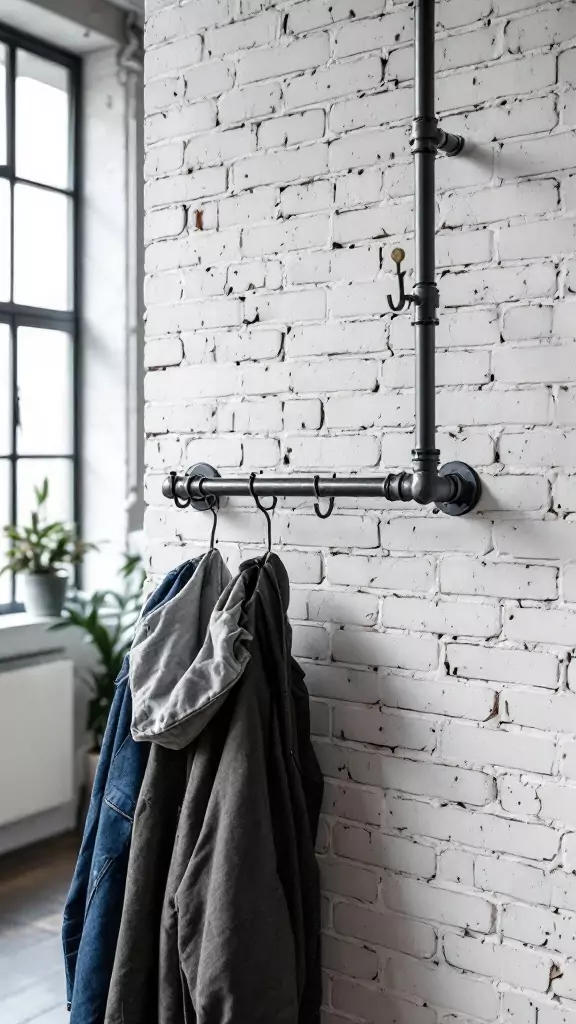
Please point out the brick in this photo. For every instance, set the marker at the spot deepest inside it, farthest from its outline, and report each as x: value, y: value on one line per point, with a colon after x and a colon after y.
x: 351, y: 997
x: 500, y: 961
x: 180, y: 121
x: 252, y: 101
x: 539, y: 30
x: 383, y: 929
x: 358, y: 263
x: 354, y: 802
x: 366, y: 148
x: 497, y: 579
x: 443, y: 697
x: 274, y: 61
x: 512, y: 879
x: 536, y: 156
x: 419, y: 778
x: 173, y: 56
x: 372, y: 111
x: 456, y: 866
x: 417, y: 533
x: 389, y: 573
x: 349, y: 880
x: 348, y: 530
x: 499, y: 284
x: 468, y: 744
x: 442, y: 986
x: 219, y: 147
x: 295, y: 233
x: 208, y: 79
x: 443, y: 906
x: 281, y: 167
x: 342, y: 606
x: 506, y: 78
x: 460, y: 617
x: 550, y: 712
x: 288, y: 131
x: 337, y: 80
x: 391, y: 852
x: 502, y: 665
x: 307, y: 198
x: 541, y: 625
x: 489, y: 205
x: 241, y: 35
x: 323, y: 452
x: 376, y: 649
x: 373, y: 34
x: 484, y: 831
x: 337, y: 338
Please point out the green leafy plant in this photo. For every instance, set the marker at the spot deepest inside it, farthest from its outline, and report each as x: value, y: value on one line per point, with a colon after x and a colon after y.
x: 43, y: 547
x: 108, y: 618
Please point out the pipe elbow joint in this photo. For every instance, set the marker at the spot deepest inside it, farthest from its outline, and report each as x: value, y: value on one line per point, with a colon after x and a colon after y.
x: 423, y: 487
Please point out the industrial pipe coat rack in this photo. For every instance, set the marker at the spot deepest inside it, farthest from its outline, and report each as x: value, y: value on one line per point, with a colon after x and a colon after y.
x: 455, y: 489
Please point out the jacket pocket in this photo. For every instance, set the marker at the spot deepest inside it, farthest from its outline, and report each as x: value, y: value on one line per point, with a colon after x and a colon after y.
x: 113, y: 842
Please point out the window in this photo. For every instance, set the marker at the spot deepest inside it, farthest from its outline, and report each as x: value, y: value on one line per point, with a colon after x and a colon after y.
x: 38, y: 281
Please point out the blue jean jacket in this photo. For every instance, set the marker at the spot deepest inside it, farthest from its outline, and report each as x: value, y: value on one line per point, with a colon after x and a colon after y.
x: 94, y: 906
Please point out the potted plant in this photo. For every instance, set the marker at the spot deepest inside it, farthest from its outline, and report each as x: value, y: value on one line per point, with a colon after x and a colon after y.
x: 40, y: 551
x: 107, y: 618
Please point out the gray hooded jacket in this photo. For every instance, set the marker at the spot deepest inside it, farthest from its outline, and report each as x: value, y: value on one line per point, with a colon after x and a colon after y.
x: 222, y: 870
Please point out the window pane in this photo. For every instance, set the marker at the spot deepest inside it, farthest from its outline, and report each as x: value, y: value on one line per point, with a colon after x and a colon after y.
x: 45, y: 393
x: 3, y: 62
x: 41, y: 252
x: 5, y: 391
x: 42, y: 120
x: 5, y: 580
x: 31, y: 473
x: 4, y: 240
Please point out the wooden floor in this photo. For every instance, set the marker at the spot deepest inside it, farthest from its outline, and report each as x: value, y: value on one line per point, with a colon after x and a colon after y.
x: 33, y: 887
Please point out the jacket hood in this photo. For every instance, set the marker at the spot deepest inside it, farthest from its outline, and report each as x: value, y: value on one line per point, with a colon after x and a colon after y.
x: 195, y: 647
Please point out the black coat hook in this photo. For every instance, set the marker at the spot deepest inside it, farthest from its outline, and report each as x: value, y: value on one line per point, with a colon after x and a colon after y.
x: 263, y: 508
x: 319, y: 513
x: 213, y: 504
x: 398, y: 256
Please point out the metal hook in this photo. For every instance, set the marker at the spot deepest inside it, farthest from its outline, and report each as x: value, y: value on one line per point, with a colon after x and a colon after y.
x: 213, y: 504
x: 177, y: 501
x: 398, y: 256
x: 322, y: 515
x: 263, y: 508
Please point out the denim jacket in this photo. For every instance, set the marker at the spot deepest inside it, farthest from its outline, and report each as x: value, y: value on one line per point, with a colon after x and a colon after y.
x: 94, y: 906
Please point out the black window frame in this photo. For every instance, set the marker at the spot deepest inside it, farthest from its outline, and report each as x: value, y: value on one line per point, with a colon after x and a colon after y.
x: 17, y: 315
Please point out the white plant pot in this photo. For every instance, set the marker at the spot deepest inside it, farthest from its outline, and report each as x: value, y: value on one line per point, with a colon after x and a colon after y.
x: 44, y: 593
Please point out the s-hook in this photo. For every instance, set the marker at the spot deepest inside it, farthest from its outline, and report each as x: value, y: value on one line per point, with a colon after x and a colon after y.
x: 263, y: 508
x: 213, y: 504
x: 178, y: 501
x: 329, y: 510
x: 398, y: 256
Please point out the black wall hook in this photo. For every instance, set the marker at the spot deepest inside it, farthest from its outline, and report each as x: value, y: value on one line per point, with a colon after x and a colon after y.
x: 263, y: 508
x: 330, y: 509
x: 398, y: 256
x: 213, y: 504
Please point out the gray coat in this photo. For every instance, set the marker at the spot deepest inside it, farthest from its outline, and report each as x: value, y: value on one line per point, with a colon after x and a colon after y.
x: 223, y: 861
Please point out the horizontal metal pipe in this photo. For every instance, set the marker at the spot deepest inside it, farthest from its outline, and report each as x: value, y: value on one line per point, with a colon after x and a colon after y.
x: 394, y: 487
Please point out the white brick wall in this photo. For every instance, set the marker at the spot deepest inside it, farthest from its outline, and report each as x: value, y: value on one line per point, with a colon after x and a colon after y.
x: 437, y: 651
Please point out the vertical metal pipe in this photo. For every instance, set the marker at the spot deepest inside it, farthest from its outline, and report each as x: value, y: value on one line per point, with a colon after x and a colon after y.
x: 424, y: 147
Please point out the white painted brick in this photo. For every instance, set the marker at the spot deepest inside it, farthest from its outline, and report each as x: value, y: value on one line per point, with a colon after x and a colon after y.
x: 281, y: 167
x: 499, y: 284
x: 456, y: 866
x: 512, y: 117
x: 338, y: 606
x: 337, y: 375
x: 506, y: 78
x: 391, y: 852
x: 337, y: 337
x: 176, y: 22
x: 241, y: 35
x: 356, y: 803
x: 380, y: 727
x: 162, y: 92
x: 483, y: 831
x: 500, y: 961
x: 181, y: 189
x: 497, y: 579
x: 453, y: 52
x: 181, y: 53
x: 468, y: 744
x: 219, y: 147
x: 533, y: 156
x: 337, y: 80
x: 452, y: 368
x: 393, y: 650
x: 461, y: 617
x: 287, y: 131
x: 164, y: 223
x: 541, y: 625
x: 248, y: 417
x: 458, y: 699
x: 305, y: 414
x: 164, y: 159
x: 256, y: 205
x: 315, y: 14
x: 246, y: 103
x: 373, y: 222
x: 540, y: 927
x: 550, y: 539
x: 351, y: 997
x: 407, y: 533
x: 359, y: 187
x: 180, y: 121
x: 541, y: 29
x: 550, y: 712
x: 208, y: 79
x: 222, y: 451
x: 462, y: 328
x: 373, y: 34
x: 382, y: 573
x: 280, y: 236
x: 521, y: 322
x: 527, y: 365
x: 384, y: 929
x: 362, y: 149
x: 393, y: 773
x: 163, y: 352
x: 284, y: 59
x: 503, y: 665
x: 288, y: 306
x: 349, y: 880
x: 443, y: 906
x: 489, y: 205
x: 345, y: 958
x: 513, y: 879
x: 316, y: 195
x: 339, y: 530
x: 181, y: 383
x: 360, y: 263
x: 372, y: 111
x: 442, y: 986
